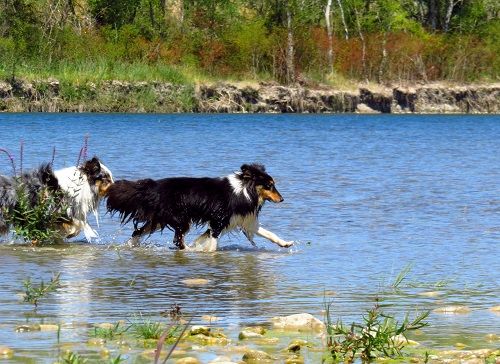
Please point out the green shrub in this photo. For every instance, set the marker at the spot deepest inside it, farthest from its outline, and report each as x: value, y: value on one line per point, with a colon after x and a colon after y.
x: 379, y: 334
x: 37, y: 223
x: 108, y: 333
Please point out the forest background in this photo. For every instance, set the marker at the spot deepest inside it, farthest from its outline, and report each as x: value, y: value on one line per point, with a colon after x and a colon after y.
x: 188, y: 41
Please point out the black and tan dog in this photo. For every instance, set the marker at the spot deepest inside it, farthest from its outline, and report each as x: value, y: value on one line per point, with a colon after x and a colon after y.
x: 224, y: 203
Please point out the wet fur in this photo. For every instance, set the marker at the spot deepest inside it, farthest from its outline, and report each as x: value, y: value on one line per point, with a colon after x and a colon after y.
x: 83, y: 186
x: 224, y: 203
x: 80, y: 189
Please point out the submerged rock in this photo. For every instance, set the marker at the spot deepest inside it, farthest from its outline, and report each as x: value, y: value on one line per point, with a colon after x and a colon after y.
x: 5, y: 351
x: 430, y: 293
x: 206, y: 336
x: 187, y: 360
x: 195, y: 281
x: 49, y: 327
x: 198, y: 329
x: 105, y: 326
x: 252, y: 332
x: 252, y: 356
x: 294, y: 359
x: 247, y: 334
x: 221, y: 360
x: 482, y: 353
x: 298, y: 322
x: 27, y: 328
x: 96, y: 341
x: 491, y: 337
x: 468, y: 356
x: 209, y: 340
x: 400, y: 339
x: 209, y: 318
x: 297, y: 344
x: 495, y: 309
x: 452, y: 309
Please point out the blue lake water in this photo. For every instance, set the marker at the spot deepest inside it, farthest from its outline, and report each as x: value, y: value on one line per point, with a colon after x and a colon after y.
x: 365, y: 196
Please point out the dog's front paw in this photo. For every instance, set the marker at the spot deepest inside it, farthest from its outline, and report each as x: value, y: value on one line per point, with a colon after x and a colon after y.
x: 286, y: 244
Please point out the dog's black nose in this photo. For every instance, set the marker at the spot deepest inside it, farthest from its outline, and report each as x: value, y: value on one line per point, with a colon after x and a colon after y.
x: 282, y: 199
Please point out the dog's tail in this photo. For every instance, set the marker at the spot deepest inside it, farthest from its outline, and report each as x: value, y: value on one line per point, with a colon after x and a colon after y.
x: 133, y: 200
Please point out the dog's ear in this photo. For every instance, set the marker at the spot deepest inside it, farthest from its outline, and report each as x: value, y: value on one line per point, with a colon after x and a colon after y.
x: 246, y: 172
x: 47, y: 177
x: 92, y: 167
x: 251, y: 171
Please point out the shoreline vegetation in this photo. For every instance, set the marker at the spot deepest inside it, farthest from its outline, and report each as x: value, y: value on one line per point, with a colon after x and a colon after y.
x: 52, y: 95
x: 423, y: 56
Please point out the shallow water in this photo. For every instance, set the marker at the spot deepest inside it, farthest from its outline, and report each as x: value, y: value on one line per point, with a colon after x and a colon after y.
x: 365, y: 196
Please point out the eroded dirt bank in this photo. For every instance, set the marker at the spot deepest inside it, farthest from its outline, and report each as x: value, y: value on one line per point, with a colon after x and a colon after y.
x: 120, y: 96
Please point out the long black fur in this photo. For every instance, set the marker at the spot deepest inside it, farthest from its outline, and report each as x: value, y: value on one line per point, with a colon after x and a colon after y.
x: 179, y: 202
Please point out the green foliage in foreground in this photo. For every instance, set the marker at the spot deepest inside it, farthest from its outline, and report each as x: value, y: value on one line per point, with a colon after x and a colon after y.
x: 34, y: 293
x: 379, y: 334
x: 73, y: 358
x: 110, y: 333
x: 143, y: 328
x: 36, y: 223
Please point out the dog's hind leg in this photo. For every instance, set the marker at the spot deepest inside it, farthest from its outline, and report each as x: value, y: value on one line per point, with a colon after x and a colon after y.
x: 180, y: 232
x: 179, y: 240
x: 200, y: 239
x: 205, y: 242
x: 135, y: 240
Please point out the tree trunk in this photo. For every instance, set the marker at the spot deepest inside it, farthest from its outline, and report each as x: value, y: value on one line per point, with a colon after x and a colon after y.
x: 363, y: 45
x: 384, y: 58
x: 449, y: 13
x: 346, y: 30
x: 152, y: 14
x: 290, y: 67
x: 330, y: 34
x: 433, y: 14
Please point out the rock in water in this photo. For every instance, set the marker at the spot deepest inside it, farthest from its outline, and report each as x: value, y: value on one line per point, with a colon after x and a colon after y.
x: 300, y: 322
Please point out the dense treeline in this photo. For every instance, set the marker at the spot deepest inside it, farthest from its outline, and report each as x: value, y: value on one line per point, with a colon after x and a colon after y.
x: 283, y: 40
